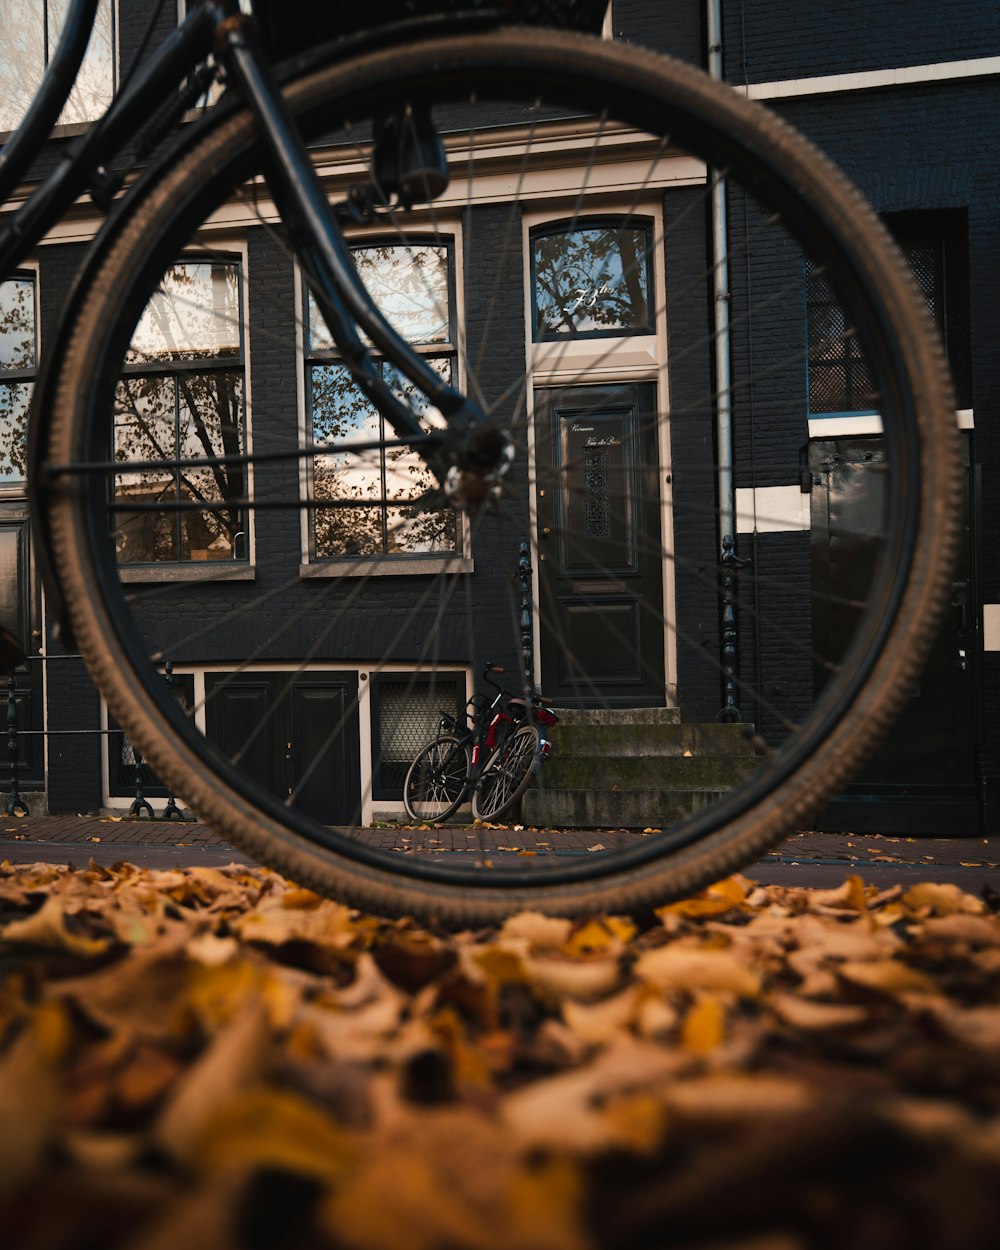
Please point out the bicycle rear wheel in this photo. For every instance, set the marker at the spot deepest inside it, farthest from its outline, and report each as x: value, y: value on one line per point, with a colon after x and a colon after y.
x: 507, y: 775
x: 279, y: 553
x: 436, y: 781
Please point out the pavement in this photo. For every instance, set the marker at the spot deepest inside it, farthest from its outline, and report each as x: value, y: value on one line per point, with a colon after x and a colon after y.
x: 805, y: 859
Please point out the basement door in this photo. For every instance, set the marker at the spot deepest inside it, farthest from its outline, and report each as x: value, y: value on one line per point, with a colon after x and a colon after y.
x: 601, y: 627
x: 923, y: 779
x: 297, y: 733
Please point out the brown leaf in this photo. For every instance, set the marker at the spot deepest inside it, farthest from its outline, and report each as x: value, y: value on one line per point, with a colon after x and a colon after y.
x: 235, y: 1059
x: 804, y: 1013
x: 50, y: 927
x: 28, y: 1101
x: 945, y: 899
x: 677, y: 967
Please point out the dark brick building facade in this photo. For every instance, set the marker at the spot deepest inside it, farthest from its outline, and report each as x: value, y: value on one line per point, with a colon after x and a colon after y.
x: 904, y: 98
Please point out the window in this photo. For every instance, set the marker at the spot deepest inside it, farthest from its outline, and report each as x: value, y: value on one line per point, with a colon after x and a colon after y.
x: 182, y: 397
x: 406, y: 712
x: 18, y: 356
x: 373, y: 491
x: 28, y: 37
x: 593, y: 280
x: 839, y: 378
x: 936, y: 249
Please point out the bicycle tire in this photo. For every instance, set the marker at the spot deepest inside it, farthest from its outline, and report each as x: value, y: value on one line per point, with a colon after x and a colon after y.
x: 507, y: 774
x: 440, y: 795
x: 652, y: 95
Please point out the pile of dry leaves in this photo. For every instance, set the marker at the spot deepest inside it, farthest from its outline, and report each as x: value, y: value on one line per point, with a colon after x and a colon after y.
x: 220, y: 1060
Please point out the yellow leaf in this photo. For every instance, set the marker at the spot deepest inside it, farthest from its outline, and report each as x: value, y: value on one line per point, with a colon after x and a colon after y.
x: 601, y: 934
x: 502, y: 967
x: 545, y: 1207
x: 704, y: 1025
x: 850, y: 895
x: 262, y: 1127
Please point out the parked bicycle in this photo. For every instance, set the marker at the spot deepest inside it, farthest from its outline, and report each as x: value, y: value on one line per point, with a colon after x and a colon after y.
x: 491, y: 753
x: 421, y: 181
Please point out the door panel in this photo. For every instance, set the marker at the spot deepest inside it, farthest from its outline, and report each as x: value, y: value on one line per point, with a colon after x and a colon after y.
x: 321, y: 747
x: 601, y: 582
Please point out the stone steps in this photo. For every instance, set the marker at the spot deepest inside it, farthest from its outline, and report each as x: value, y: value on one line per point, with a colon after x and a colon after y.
x: 634, y: 768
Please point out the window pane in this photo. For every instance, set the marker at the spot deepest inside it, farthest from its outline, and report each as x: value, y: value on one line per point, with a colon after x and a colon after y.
x: 341, y: 414
x: 17, y: 323
x: 594, y: 280
x: 14, y: 400
x: 94, y: 87
x: 145, y: 429
x: 22, y: 58
x: 409, y: 286
x: 210, y: 408
x: 415, y: 530
x: 354, y: 531
x: 194, y: 315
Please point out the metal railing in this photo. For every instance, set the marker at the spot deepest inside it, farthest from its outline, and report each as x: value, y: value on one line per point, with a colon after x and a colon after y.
x: 140, y: 808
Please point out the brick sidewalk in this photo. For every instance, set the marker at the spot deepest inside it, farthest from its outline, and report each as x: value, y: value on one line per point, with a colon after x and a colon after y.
x: 805, y: 858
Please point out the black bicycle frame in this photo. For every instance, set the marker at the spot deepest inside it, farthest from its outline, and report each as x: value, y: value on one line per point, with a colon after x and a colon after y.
x: 217, y: 27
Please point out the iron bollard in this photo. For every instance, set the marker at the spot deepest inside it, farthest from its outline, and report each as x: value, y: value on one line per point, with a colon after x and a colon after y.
x: 15, y: 804
x: 527, y: 643
x: 172, y: 811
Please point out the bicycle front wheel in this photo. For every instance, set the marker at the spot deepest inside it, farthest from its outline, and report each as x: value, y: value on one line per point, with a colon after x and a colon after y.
x: 507, y: 775
x: 222, y: 498
x: 437, y: 780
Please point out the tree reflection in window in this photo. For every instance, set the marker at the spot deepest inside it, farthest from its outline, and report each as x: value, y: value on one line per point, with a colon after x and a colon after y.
x: 411, y: 285
x: 17, y: 371
x: 181, y: 398
x: 29, y: 33
x: 592, y: 280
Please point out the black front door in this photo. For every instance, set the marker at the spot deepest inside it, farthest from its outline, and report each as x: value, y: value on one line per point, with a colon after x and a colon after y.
x: 923, y: 778
x: 295, y: 732
x: 601, y: 625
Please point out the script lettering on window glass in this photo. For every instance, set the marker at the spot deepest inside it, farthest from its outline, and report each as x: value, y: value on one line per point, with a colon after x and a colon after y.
x: 29, y: 34
x: 592, y: 281
x: 180, y: 402
x: 17, y: 370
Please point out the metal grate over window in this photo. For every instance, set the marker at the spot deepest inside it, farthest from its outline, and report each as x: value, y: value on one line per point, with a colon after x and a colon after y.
x: 839, y: 377
x: 406, y: 716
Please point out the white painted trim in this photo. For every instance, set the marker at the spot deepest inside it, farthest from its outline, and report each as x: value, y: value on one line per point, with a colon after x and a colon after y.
x: 607, y: 361
x: 771, y: 509
x: 991, y: 626
x: 847, y: 425
x: 364, y: 673
x: 869, y: 80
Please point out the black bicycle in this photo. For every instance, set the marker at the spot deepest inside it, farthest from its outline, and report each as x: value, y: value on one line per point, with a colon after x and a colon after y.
x: 491, y: 754
x: 417, y: 178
